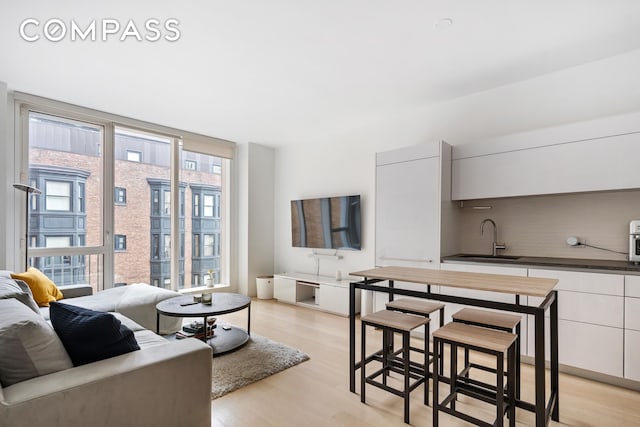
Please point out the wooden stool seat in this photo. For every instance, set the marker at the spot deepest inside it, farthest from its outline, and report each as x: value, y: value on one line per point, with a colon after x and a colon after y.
x: 391, y: 322
x: 473, y: 316
x: 414, y: 306
x: 489, y: 341
x: 394, y: 320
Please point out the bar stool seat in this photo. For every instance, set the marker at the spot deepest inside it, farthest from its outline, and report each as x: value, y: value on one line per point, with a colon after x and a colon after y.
x: 394, y: 322
x: 414, y: 306
x: 494, y: 320
x: 478, y: 317
x: 488, y: 341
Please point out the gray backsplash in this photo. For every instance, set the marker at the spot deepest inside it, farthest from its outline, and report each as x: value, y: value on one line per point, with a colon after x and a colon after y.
x: 540, y: 225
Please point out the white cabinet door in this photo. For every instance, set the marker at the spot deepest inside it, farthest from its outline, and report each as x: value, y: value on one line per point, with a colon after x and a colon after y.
x: 561, y: 168
x: 335, y: 299
x: 632, y: 286
x: 595, y: 283
x: 587, y: 297
x: 631, y: 351
x: 408, y: 213
x: 632, y: 313
x: 592, y: 347
x: 591, y: 320
x: 284, y: 289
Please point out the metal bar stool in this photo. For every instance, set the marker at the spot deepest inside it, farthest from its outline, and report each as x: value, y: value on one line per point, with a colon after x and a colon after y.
x: 484, y: 340
x: 489, y: 319
x: 394, y: 322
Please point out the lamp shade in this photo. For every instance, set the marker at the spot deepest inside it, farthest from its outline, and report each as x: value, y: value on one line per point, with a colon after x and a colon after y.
x: 27, y: 188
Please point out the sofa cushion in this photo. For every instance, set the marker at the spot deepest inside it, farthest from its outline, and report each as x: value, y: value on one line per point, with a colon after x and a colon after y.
x: 10, y: 288
x: 100, y: 301
x: 90, y: 335
x: 43, y: 289
x: 139, y: 303
x: 29, y: 347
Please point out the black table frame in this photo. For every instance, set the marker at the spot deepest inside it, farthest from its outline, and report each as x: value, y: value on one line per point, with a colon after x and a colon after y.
x: 543, y: 409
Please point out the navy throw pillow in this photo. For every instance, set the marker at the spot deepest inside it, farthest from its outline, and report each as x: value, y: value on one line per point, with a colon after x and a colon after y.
x: 88, y: 335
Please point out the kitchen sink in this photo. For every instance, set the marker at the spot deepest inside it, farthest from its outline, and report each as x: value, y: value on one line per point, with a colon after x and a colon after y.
x: 476, y: 256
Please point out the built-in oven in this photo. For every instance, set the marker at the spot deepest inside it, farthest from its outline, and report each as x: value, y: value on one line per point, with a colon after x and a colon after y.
x: 634, y: 241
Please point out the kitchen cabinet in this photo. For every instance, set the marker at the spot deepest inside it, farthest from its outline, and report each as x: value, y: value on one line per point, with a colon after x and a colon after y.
x: 631, y: 351
x: 565, y: 159
x: 284, y: 289
x: 317, y: 292
x: 408, y: 205
x: 591, y: 320
x: 632, y: 327
x: 411, y: 183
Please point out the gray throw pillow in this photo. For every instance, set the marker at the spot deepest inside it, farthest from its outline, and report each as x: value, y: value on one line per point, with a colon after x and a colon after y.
x: 10, y: 288
x: 29, y: 347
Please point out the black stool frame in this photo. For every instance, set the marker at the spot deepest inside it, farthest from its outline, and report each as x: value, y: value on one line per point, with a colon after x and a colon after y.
x: 448, y: 404
x: 390, y: 363
x: 465, y: 373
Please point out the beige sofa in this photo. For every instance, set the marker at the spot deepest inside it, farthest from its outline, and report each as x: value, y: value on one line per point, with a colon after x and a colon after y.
x: 165, y: 383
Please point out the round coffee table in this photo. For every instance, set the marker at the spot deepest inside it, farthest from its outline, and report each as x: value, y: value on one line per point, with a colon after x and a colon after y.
x: 225, y: 339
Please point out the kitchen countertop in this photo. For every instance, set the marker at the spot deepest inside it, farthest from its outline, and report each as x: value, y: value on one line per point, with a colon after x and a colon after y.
x: 549, y: 262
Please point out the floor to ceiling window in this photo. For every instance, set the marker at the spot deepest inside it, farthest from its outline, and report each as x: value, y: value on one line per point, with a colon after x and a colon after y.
x: 121, y: 205
x: 66, y: 165
x: 202, y: 174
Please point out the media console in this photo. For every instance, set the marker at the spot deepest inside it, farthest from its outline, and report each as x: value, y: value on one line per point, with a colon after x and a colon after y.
x: 319, y: 292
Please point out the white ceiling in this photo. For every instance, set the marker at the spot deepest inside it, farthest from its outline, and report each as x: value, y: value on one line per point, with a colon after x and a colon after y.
x: 293, y: 71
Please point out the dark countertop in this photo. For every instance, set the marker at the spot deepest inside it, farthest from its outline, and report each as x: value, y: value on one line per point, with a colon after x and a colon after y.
x: 549, y: 262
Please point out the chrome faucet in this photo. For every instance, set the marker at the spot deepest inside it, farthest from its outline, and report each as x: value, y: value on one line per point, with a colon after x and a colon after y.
x: 496, y: 245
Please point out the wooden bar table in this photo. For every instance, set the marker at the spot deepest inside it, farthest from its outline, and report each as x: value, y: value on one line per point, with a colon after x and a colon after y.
x: 516, y: 285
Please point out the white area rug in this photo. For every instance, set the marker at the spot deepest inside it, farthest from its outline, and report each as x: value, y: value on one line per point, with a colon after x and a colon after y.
x: 257, y: 359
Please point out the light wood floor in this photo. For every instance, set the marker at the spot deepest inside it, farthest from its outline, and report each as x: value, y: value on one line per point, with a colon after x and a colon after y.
x: 316, y: 392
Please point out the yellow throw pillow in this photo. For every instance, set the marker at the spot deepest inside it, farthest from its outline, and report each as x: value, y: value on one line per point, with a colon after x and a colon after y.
x: 43, y: 289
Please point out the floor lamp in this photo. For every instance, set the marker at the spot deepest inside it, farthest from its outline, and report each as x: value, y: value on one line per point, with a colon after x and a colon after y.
x: 29, y: 190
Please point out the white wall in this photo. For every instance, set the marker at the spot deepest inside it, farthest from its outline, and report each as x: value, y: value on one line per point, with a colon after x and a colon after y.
x: 345, y: 164
x: 255, y: 208
x: 4, y: 141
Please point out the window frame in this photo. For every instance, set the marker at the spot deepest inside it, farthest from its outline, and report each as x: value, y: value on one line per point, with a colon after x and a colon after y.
x: 57, y: 197
x: 120, y: 238
x: 118, y: 192
x: 190, y: 165
x: 134, y: 156
x: 225, y: 150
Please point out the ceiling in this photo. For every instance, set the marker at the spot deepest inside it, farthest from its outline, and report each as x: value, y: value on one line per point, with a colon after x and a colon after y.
x: 281, y: 72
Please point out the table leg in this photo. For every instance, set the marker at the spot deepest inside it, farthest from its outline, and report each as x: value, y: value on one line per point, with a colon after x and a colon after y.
x: 540, y: 369
x: 352, y: 338
x: 249, y: 319
x: 158, y: 322
x: 555, y: 391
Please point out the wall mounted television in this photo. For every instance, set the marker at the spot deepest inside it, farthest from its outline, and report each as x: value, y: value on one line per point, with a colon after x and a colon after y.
x: 326, y: 223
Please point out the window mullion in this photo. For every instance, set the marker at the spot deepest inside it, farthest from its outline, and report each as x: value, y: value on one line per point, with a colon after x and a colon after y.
x: 108, y: 205
x: 175, y: 213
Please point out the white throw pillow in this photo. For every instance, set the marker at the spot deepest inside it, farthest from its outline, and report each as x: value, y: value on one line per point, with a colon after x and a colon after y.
x: 29, y: 347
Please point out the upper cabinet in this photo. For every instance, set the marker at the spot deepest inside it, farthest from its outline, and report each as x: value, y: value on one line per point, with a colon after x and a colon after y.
x: 408, y: 204
x: 588, y: 156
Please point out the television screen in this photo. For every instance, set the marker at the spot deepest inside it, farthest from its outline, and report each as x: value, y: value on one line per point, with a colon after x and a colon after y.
x: 329, y: 222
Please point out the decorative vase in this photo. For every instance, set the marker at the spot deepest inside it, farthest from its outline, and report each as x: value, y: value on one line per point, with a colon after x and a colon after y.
x: 209, y: 282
